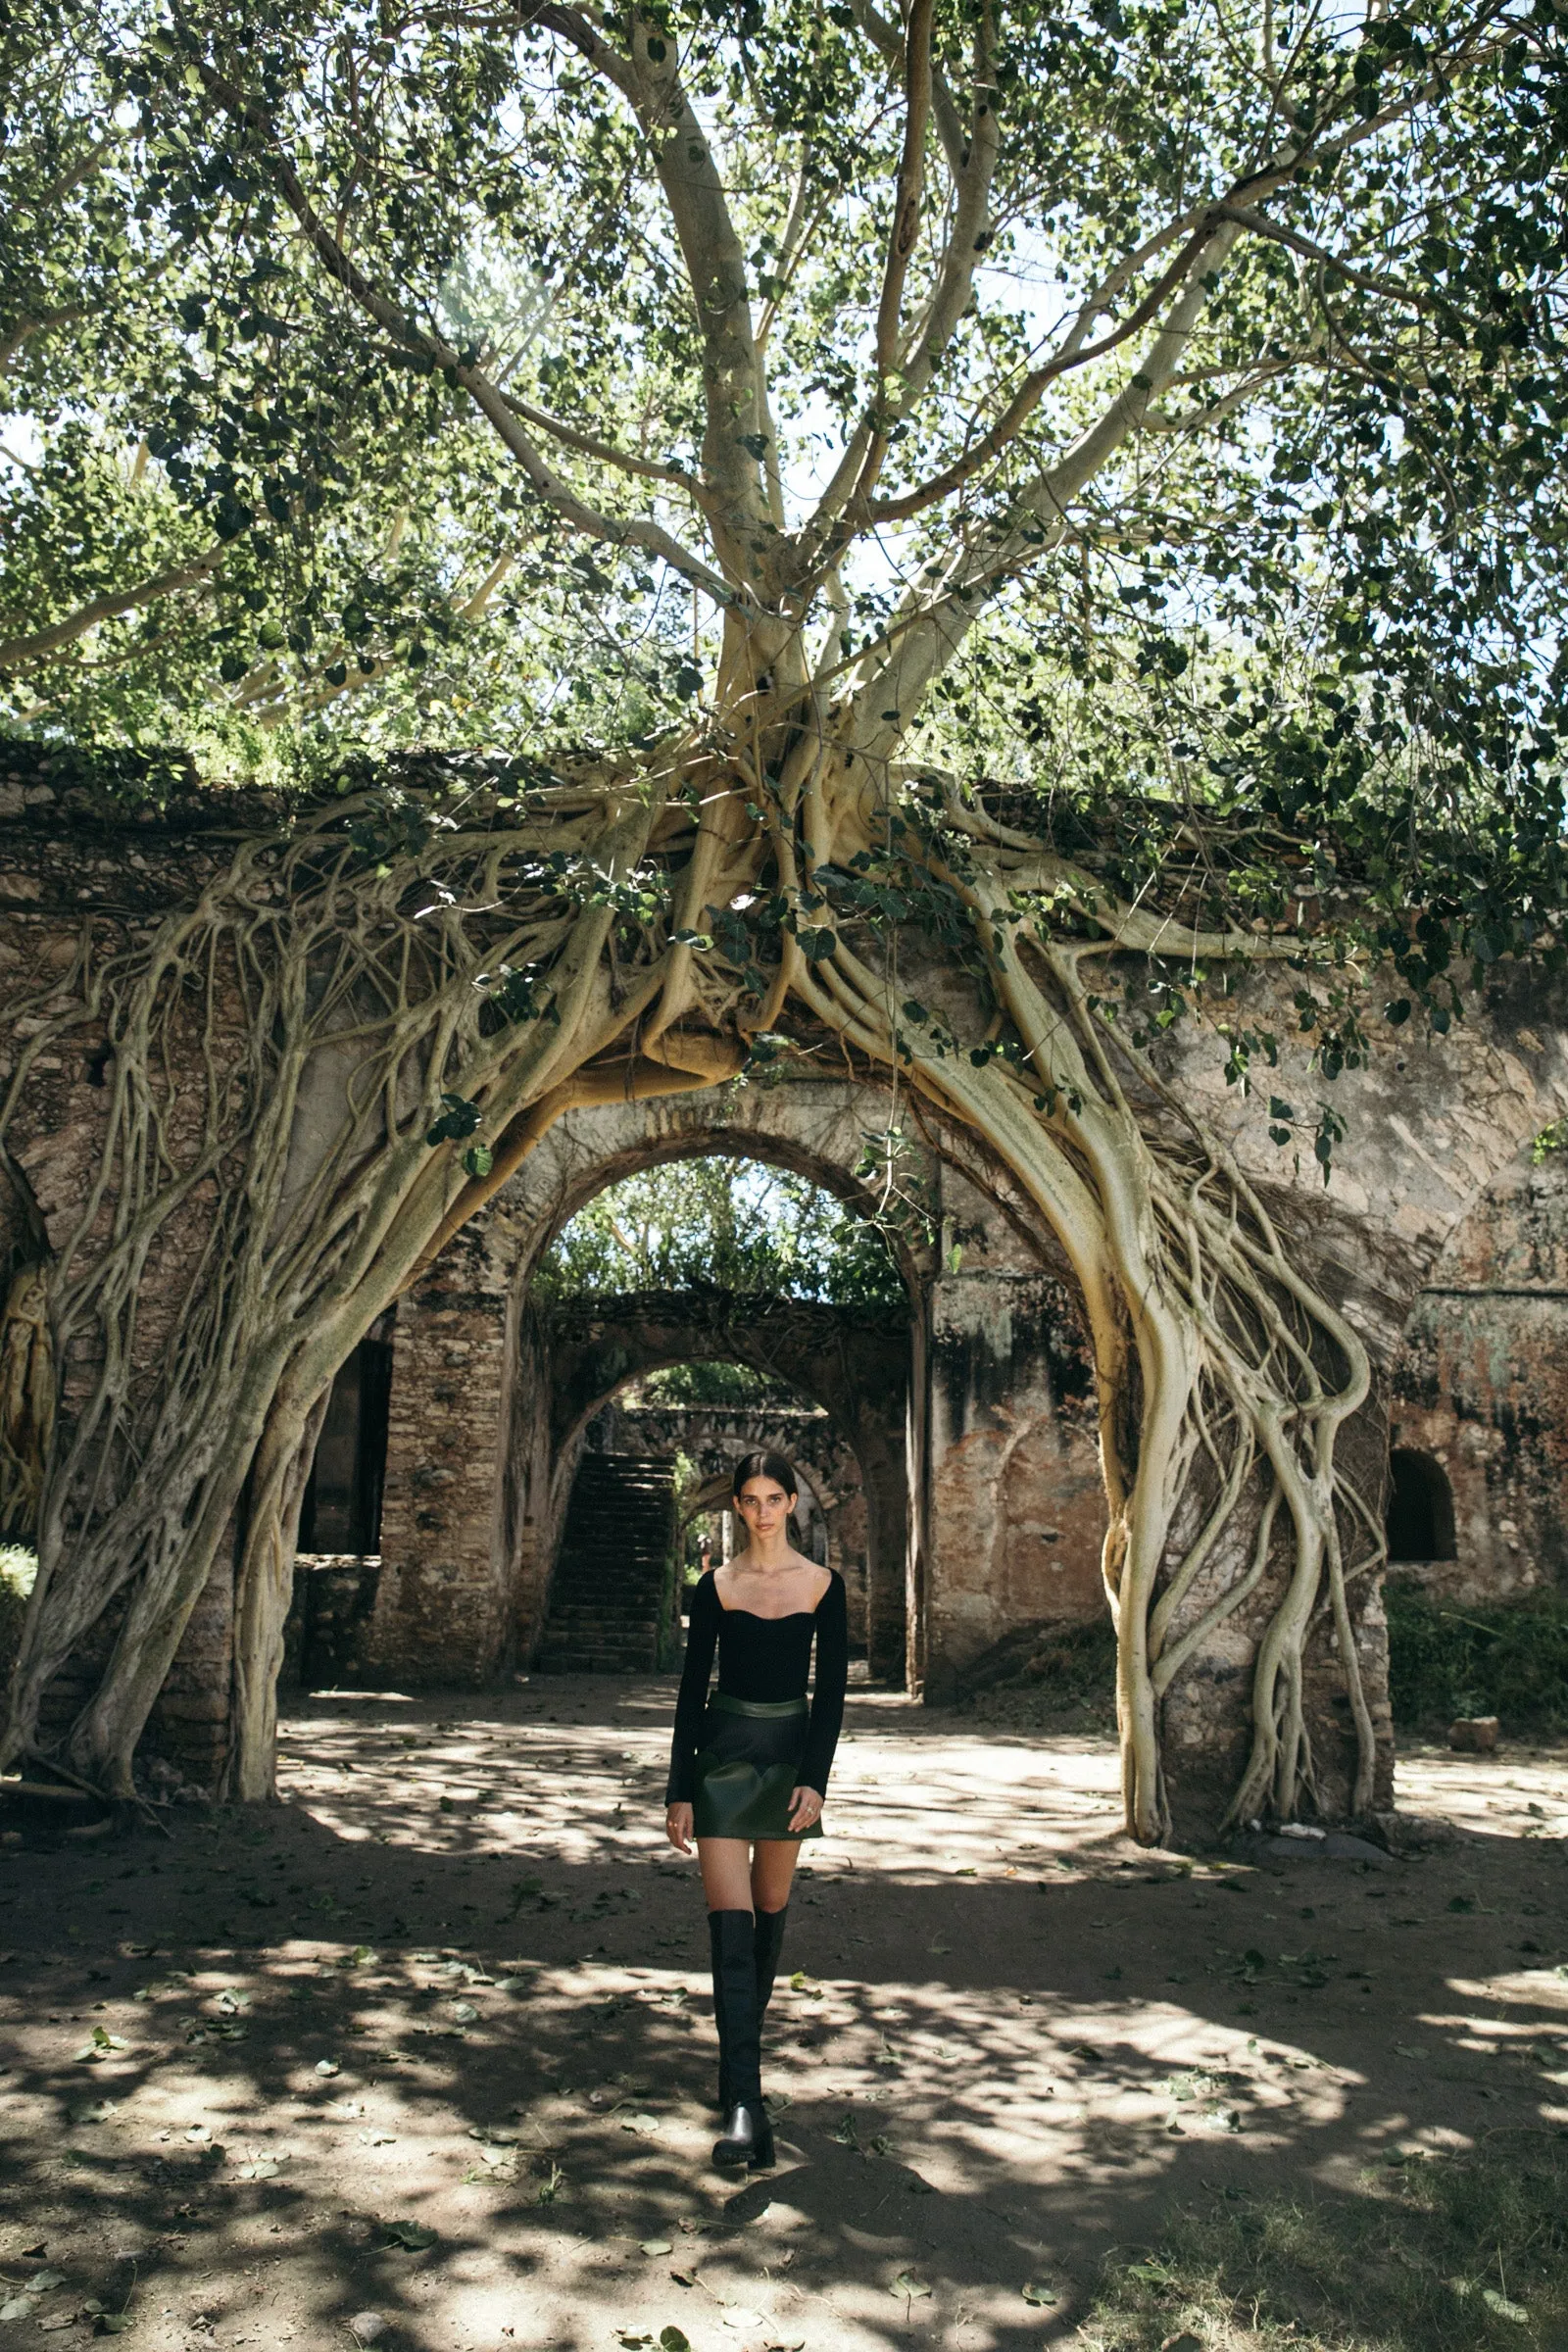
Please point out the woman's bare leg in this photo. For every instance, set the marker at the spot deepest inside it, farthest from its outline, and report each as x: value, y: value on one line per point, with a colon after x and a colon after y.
x: 725, y: 1864
x: 772, y: 1869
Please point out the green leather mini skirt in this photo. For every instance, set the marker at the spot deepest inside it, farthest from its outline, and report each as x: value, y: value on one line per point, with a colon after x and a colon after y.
x: 746, y: 1767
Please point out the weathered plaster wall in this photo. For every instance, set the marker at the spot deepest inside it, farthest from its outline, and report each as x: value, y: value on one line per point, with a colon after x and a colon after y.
x: 1481, y: 1386
x: 1014, y: 1503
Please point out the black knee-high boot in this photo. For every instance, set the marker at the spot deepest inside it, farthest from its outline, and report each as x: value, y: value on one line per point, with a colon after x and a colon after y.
x: 716, y: 1921
x: 768, y: 1941
x: 747, y: 2140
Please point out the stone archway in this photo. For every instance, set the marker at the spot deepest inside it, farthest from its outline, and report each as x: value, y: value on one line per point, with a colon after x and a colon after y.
x: 851, y: 1362
x: 993, y: 1520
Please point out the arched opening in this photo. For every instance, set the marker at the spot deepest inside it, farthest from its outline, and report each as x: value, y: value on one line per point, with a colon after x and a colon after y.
x: 693, y: 1310
x: 338, y: 1555
x: 1420, y: 1516
x: 650, y: 1507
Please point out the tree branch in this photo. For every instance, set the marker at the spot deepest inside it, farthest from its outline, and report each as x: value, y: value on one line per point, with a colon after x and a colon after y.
x: 17, y: 652
x: 572, y: 436
x: 907, y: 189
x: 714, y: 258
x: 26, y: 328
x: 1274, y: 231
x: 493, y: 403
x: 1028, y: 396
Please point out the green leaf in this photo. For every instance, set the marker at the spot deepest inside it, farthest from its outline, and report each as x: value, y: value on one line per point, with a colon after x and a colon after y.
x: 459, y: 1117
x: 412, y: 2236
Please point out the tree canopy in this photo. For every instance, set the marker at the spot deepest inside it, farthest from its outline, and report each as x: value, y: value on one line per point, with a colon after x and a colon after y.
x: 413, y: 373
x: 726, y: 1224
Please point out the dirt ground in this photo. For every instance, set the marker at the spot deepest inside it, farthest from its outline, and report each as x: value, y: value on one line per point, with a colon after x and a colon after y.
x: 427, y: 2047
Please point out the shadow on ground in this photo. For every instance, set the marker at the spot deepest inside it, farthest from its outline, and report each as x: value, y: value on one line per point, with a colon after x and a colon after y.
x: 456, y: 1983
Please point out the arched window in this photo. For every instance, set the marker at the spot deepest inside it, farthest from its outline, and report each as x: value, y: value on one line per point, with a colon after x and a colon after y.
x: 1420, y: 1522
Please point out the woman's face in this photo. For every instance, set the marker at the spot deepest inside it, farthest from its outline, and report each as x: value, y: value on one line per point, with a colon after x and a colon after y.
x: 764, y: 1505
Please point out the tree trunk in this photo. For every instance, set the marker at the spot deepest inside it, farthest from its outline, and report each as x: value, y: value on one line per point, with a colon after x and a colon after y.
x: 264, y: 1591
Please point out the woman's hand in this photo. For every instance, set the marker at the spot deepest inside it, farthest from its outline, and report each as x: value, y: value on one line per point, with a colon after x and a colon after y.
x: 805, y: 1807
x: 679, y: 1828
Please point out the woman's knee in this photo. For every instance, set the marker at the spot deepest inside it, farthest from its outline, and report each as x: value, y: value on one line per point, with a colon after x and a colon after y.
x: 772, y: 1869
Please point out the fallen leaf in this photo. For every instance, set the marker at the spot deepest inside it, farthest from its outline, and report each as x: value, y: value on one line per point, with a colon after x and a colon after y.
x: 18, y: 2307
x: 464, y: 2012
x: 327, y: 2066
x: 644, y: 2124
x: 90, y: 2111
x: 100, y: 2046
x: 411, y: 2237
x: 1501, y: 2305
x: 1039, y: 2295
x: 672, y: 2340
x: 911, y: 2288
x: 658, y: 2245
x: 746, y: 2320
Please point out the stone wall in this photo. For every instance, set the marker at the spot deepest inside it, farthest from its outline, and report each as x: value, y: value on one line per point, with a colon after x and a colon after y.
x: 1014, y: 1503
x: 1434, y: 1207
x: 1481, y: 1388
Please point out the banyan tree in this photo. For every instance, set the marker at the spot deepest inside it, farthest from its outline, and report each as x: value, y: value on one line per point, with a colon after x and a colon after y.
x: 961, y: 538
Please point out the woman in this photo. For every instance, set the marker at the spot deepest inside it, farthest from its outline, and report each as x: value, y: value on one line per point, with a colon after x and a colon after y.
x: 749, y: 1767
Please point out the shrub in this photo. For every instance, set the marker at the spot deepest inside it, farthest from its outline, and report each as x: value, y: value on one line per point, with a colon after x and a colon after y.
x: 1509, y: 1661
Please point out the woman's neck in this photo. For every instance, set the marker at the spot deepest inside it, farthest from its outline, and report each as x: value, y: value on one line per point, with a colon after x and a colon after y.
x: 765, y: 1557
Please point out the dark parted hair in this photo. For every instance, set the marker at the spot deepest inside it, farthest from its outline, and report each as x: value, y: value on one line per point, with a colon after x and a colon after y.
x: 765, y: 1465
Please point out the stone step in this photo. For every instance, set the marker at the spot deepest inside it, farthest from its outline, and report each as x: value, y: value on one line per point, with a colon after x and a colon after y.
x: 608, y: 1589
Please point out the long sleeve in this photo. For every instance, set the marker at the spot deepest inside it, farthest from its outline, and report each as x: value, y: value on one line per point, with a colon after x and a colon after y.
x: 827, y: 1694
x: 702, y: 1639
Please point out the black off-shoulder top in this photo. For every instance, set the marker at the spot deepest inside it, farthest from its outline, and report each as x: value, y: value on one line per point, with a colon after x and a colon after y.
x: 763, y: 1659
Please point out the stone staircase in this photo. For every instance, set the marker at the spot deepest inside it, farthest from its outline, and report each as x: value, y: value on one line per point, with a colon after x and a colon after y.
x: 615, y: 1558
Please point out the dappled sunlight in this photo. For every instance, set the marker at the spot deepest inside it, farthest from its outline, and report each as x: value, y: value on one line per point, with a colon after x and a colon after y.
x: 432, y: 2039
